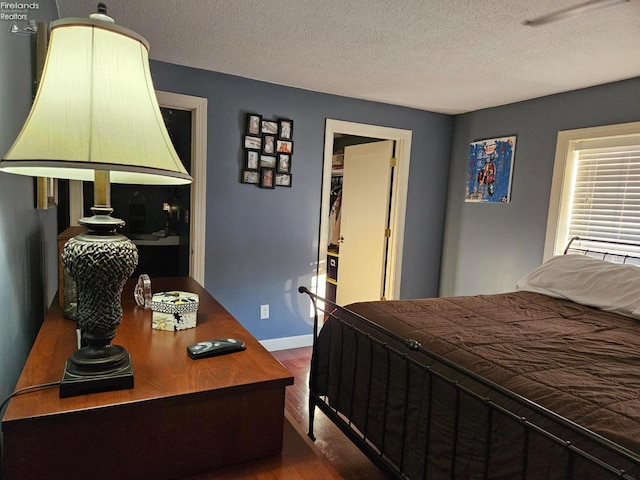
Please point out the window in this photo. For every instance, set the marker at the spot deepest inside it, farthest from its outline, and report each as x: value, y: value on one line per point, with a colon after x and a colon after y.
x: 595, y: 190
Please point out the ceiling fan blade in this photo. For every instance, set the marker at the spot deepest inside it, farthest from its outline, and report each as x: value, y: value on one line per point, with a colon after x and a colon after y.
x: 579, y: 9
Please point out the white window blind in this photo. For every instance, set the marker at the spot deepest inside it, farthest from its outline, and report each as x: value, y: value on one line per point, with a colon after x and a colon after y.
x: 594, y: 188
x: 605, y: 200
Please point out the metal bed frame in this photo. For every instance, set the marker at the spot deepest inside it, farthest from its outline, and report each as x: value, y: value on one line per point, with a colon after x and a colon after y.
x: 599, y: 248
x: 603, y: 456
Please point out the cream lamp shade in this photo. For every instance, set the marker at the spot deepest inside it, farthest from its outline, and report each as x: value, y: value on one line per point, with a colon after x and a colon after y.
x: 96, y: 117
x: 96, y: 110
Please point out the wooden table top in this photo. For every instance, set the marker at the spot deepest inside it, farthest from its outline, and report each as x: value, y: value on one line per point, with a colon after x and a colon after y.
x: 161, y: 365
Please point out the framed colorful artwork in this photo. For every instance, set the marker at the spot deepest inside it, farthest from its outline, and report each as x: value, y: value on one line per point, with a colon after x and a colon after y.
x: 490, y: 170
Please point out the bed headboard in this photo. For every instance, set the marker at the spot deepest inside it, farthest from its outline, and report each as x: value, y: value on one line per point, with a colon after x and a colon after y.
x: 614, y: 251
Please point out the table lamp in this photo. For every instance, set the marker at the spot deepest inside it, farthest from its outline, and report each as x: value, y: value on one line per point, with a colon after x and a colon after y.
x: 96, y: 117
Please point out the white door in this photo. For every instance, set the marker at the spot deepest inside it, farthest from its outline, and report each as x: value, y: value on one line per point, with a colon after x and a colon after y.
x: 366, y: 189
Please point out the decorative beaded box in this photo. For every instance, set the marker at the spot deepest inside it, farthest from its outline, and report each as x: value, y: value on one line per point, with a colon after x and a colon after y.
x: 174, y: 311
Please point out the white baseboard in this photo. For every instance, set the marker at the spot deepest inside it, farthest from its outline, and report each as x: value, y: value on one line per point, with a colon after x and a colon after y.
x: 285, y: 343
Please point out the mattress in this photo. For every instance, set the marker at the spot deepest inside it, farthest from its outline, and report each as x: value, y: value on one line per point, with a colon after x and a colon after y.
x: 574, y: 360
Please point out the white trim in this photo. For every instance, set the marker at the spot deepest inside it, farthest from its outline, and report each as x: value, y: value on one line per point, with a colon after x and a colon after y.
x: 565, y: 146
x: 198, y: 108
x: 197, y: 220
x: 287, y: 343
x: 398, y: 198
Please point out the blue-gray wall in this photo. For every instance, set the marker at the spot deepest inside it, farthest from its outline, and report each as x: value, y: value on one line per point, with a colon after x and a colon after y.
x: 262, y: 244
x: 28, y: 248
x: 488, y: 247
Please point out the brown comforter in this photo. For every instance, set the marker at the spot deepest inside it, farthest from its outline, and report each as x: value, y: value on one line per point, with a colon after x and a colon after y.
x: 579, y: 362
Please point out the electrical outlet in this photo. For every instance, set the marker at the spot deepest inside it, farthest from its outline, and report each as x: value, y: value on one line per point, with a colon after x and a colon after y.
x: 264, y: 312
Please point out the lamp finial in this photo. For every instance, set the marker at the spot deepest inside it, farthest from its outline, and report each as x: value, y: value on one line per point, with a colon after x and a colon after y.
x: 101, y: 14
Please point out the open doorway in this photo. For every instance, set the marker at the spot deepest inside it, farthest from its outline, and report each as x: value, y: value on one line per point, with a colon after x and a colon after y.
x: 193, y: 204
x: 334, y: 131
x: 157, y: 217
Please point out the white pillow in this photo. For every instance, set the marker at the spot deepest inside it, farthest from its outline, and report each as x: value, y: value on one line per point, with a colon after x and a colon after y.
x: 589, y: 281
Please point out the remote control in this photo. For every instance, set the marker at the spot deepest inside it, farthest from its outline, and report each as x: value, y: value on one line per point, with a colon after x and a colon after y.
x: 210, y: 348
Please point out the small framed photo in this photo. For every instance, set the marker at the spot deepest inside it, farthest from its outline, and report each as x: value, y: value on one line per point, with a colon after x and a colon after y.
x: 267, y: 178
x: 251, y: 176
x: 283, y: 179
x: 252, y: 143
x: 284, y: 163
x: 252, y: 160
x: 267, y: 161
x: 254, y: 124
x: 284, y: 146
x: 268, y: 144
x: 269, y: 127
x: 285, y: 129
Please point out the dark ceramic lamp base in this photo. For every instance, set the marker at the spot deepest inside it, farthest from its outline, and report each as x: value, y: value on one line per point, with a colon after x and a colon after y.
x: 89, y: 371
x: 100, y: 262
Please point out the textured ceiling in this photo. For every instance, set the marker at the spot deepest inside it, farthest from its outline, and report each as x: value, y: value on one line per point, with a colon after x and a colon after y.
x: 449, y: 56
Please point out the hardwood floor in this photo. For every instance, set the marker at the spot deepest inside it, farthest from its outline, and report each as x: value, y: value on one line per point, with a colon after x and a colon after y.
x: 343, y: 455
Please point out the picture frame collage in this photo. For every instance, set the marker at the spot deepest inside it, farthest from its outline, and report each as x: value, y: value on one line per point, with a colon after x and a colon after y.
x: 268, y: 148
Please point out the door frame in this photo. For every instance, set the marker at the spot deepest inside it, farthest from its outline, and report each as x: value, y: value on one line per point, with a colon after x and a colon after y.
x: 197, y: 214
x: 397, y: 211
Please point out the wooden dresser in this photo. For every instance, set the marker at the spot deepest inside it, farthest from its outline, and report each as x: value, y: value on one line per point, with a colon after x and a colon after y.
x: 183, y: 417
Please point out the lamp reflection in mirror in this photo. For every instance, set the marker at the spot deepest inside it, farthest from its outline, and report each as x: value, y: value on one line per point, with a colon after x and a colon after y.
x: 96, y: 117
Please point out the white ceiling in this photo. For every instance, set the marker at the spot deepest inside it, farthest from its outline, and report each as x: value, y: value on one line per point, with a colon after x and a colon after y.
x: 449, y: 56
